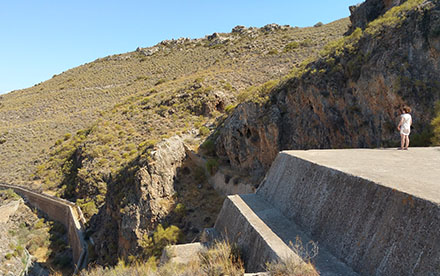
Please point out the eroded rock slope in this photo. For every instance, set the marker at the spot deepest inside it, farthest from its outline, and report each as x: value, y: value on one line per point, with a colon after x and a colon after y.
x: 350, y: 96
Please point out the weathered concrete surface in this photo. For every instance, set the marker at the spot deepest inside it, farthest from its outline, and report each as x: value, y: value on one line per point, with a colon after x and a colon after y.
x: 181, y: 253
x: 264, y: 234
x: 377, y: 210
x: 63, y: 211
x: 415, y: 171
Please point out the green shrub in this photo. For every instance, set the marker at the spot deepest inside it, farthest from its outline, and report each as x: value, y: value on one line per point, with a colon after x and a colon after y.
x: 153, y: 246
x: 199, y: 80
x: 8, y: 256
x: 204, y: 131
x: 166, y: 236
x: 423, y: 139
x: 208, y: 147
x: 159, y: 82
x: 273, y: 52
x: 212, y: 166
x: 40, y: 224
x: 8, y: 194
x: 88, y: 207
x: 291, y: 46
x: 199, y: 174
x: 18, y: 250
x: 227, y: 86
x: 306, y: 43
x: 180, y: 209
x: 258, y: 94
x: 148, y: 143
x: 348, y: 43
x: 230, y: 108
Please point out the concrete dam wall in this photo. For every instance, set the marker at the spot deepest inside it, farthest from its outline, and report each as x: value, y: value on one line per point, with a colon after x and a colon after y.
x: 372, y: 212
x: 64, y: 212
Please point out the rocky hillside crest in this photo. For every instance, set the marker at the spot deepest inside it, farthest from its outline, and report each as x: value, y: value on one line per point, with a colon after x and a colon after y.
x: 350, y: 96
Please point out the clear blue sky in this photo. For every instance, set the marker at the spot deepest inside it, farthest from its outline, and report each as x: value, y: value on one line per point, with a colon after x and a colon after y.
x: 42, y: 38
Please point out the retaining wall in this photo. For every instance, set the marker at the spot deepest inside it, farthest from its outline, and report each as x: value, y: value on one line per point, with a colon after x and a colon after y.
x: 374, y: 228
x: 265, y: 235
x: 64, y: 212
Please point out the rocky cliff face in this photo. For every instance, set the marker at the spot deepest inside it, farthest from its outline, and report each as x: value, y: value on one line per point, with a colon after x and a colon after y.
x: 362, y: 14
x: 135, y: 210
x: 350, y: 96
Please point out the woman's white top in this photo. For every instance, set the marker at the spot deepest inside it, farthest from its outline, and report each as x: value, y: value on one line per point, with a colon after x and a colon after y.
x: 405, y: 128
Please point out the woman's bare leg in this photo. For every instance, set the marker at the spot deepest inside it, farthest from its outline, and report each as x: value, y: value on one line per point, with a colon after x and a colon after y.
x: 402, y: 141
x: 407, y: 141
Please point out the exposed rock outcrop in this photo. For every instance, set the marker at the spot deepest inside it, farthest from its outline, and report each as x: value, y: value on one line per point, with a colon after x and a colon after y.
x: 347, y: 99
x: 136, y: 210
x: 368, y: 11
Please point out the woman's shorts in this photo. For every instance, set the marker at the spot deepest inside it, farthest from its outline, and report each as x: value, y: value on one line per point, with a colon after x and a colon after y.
x: 405, y: 131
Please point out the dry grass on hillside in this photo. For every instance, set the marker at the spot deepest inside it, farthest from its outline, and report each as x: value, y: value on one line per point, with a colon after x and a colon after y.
x: 31, y: 120
x: 220, y: 259
x: 44, y: 239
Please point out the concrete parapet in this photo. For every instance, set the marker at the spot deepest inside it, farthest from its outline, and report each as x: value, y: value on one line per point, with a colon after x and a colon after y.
x: 357, y: 204
x: 264, y: 235
x: 64, y: 212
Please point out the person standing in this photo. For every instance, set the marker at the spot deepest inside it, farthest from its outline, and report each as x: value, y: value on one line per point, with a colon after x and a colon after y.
x: 405, y: 127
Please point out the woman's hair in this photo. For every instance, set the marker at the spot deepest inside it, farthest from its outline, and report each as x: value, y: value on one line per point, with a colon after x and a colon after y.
x: 406, y: 109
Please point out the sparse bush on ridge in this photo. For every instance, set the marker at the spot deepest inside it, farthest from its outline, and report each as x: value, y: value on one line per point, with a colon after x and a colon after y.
x: 319, y: 24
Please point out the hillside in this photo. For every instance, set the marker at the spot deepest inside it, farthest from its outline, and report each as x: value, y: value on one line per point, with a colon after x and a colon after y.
x: 33, y: 119
x: 350, y: 96
x: 113, y: 135
x: 136, y: 139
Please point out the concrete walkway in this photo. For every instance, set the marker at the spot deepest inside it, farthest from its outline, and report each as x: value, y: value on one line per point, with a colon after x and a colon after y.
x: 415, y: 171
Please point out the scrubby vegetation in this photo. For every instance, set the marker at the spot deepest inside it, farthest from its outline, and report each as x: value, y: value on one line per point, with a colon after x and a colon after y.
x: 296, y: 265
x: 8, y: 195
x: 44, y: 239
x: 221, y: 258
x: 39, y: 117
x: 162, y: 237
x: 436, y: 126
x: 392, y: 18
x: 185, y: 88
